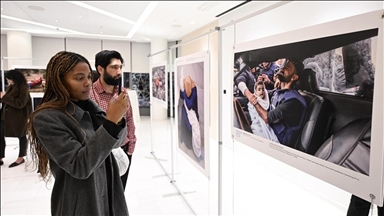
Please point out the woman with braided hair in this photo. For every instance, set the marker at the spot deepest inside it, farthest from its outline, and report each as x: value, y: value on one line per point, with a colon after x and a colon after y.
x: 72, y: 139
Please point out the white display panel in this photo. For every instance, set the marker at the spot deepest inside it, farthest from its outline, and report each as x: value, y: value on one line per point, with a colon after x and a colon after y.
x: 192, y: 108
x: 308, y: 44
x: 158, y: 83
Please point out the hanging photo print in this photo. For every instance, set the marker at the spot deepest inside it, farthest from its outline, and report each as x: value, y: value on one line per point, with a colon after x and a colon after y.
x: 312, y: 98
x: 192, y: 107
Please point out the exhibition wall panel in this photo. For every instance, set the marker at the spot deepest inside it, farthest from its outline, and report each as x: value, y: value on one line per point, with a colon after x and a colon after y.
x: 43, y: 48
x: 159, y: 83
x: 204, y: 188
x: 296, y: 189
x: 333, y: 59
x: 192, y: 102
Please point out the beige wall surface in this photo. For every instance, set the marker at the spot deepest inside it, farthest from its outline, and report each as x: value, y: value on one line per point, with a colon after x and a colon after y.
x: 207, y: 42
x: 140, y: 59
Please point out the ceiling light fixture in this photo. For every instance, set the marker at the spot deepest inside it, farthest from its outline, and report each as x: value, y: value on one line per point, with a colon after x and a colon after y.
x: 68, y: 34
x: 177, y: 26
x: 148, y: 10
x: 36, y: 32
x: 192, y: 22
x: 80, y: 4
x: 39, y: 24
x: 207, y: 6
x: 36, y: 8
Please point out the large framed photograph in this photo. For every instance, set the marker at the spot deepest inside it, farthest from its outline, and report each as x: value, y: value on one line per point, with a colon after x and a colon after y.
x: 158, y: 82
x: 192, y: 108
x: 312, y: 98
x: 35, y: 76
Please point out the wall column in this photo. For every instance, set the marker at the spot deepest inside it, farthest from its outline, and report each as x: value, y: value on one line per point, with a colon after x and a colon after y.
x: 19, y: 45
x: 158, y: 112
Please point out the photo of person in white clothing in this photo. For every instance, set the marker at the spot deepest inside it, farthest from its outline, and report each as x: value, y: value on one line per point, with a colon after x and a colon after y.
x: 258, y: 125
x: 188, y: 92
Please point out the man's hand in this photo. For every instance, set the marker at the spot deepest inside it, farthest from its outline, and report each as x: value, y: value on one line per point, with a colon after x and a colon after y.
x: 259, y: 78
x: 266, y: 78
x: 117, y: 107
x: 251, y: 97
x: 2, y: 94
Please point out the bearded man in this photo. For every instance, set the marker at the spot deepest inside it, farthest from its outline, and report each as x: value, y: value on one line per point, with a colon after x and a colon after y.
x: 109, y: 65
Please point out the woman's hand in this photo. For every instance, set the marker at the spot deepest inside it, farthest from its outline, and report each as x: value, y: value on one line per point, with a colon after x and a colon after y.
x: 117, y: 107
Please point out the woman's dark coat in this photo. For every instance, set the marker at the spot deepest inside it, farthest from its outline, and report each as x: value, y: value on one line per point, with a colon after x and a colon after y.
x: 17, y: 106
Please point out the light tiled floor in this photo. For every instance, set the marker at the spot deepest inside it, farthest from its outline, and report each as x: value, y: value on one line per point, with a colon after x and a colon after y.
x: 148, y: 192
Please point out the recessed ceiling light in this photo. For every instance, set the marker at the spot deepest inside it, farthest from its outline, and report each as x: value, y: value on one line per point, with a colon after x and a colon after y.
x: 56, y: 21
x: 37, y: 8
x: 79, y: 16
x: 101, y: 32
x: 192, y: 22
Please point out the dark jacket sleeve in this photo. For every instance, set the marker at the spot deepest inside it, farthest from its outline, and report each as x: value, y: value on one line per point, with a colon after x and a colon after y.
x: 289, y: 112
x: 241, y: 78
x: 19, y: 101
x: 113, y: 128
x: 191, y: 102
x: 58, y: 136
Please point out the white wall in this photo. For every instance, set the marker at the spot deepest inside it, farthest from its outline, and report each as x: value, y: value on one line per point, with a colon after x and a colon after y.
x: 123, y: 47
x: 253, y: 182
x: 173, y: 51
x: 297, y: 15
x: 43, y: 48
x: 140, y: 59
x: 85, y: 47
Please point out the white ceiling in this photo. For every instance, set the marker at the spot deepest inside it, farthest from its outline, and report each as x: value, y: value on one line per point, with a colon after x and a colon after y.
x: 170, y: 20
